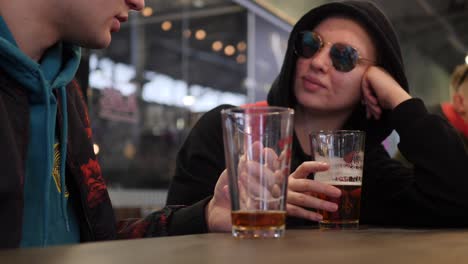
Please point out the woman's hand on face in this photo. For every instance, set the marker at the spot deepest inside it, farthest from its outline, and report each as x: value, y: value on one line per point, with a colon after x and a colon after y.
x: 381, y: 91
x: 302, y: 192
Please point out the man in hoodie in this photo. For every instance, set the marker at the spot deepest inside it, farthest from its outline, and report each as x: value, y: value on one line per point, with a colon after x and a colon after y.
x: 343, y: 69
x: 52, y: 191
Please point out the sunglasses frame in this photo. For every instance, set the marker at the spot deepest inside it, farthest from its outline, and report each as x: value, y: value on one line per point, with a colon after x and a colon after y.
x: 322, y: 44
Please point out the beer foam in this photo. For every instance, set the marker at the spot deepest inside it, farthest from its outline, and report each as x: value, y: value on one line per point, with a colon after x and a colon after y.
x: 340, y: 183
x: 335, y: 161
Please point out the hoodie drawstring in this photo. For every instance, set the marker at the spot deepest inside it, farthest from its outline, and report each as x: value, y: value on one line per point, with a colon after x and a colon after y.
x: 49, y: 150
x: 49, y: 161
x: 63, y: 153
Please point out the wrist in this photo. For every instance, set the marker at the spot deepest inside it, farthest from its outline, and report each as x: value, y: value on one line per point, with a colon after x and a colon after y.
x: 400, y: 98
x: 208, y: 209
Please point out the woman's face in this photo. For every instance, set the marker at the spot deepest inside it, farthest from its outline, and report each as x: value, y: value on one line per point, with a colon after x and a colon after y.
x: 318, y: 86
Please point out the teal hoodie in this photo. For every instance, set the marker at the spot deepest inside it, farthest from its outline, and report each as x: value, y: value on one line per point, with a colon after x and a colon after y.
x: 48, y: 218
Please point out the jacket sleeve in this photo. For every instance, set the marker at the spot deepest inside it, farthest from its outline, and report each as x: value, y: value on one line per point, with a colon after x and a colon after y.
x: 432, y: 194
x: 200, y: 161
x: 169, y: 221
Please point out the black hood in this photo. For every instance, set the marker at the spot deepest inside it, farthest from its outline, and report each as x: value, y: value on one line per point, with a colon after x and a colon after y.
x: 388, y: 53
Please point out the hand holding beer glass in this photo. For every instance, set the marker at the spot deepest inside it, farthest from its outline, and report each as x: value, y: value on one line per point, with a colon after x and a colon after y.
x: 257, y: 145
x: 343, y: 150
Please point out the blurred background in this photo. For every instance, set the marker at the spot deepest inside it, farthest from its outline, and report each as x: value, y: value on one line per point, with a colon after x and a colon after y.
x: 177, y: 59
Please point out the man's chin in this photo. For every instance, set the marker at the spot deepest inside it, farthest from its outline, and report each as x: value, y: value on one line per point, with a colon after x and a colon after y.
x: 97, y: 43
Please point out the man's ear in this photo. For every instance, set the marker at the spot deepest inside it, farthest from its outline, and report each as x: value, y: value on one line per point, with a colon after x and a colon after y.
x: 459, y: 102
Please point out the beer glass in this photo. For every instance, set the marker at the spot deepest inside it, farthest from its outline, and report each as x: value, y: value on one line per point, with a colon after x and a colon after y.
x: 343, y: 150
x: 257, y: 147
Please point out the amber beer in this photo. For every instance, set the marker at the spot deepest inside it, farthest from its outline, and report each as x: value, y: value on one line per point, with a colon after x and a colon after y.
x: 349, y: 204
x: 343, y: 150
x: 258, y: 223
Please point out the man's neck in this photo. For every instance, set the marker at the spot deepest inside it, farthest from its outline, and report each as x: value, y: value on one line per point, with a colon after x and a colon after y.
x: 33, y: 33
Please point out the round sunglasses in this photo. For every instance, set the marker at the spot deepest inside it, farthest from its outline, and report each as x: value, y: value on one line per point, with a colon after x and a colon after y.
x: 344, y: 57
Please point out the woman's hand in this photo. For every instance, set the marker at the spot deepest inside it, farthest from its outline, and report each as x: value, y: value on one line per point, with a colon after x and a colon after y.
x: 302, y: 192
x: 381, y: 91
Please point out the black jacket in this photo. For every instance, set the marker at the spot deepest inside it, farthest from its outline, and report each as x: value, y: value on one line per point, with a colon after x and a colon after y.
x: 431, y: 194
x: 88, y: 191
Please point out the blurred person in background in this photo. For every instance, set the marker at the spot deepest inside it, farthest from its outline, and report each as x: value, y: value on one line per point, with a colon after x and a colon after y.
x: 52, y: 191
x: 456, y: 111
x: 343, y: 69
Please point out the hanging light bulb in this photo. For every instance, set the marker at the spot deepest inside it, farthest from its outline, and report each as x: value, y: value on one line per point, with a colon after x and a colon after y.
x: 229, y: 50
x: 200, y: 34
x: 241, y: 46
x: 241, y: 59
x: 147, y: 11
x: 166, y: 25
x: 217, y: 45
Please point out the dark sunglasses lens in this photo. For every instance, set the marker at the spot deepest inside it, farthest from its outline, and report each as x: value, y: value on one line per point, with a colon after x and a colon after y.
x: 308, y: 44
x: 344, y: 57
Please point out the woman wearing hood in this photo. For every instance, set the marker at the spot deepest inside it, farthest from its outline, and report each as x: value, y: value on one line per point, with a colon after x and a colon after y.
x: 343, y: 69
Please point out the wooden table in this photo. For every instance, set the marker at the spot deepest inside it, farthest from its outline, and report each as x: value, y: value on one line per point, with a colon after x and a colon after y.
x: 372, y: 245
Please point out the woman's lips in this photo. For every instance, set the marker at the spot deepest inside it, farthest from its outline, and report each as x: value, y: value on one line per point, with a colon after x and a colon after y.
x: 312, y: 84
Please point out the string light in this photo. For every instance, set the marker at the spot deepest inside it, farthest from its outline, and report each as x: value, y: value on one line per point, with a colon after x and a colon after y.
x: 241, y: 58
x: 217, y: 45
x: 147, y: 11
x: 229, y: 50
x: 200, y: 34
x: 242, y: 46
x: 166, y: 25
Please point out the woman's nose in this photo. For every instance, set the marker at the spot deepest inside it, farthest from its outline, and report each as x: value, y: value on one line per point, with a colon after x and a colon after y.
x: 321, y: 60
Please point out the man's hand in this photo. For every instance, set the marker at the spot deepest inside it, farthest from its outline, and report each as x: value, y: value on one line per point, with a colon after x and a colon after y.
x: 218, y: 210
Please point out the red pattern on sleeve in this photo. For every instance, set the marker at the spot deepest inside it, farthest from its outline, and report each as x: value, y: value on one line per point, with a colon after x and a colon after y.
x: 95, y: 183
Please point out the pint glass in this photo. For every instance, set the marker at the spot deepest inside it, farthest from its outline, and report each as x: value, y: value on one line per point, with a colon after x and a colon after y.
x: 343, y: 150
x: 257, y: 146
